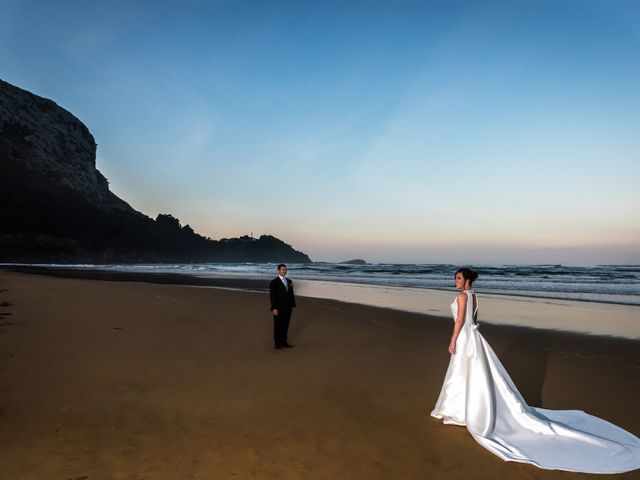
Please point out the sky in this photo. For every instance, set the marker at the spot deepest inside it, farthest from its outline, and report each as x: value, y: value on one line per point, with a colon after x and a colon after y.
x: 399, y: 131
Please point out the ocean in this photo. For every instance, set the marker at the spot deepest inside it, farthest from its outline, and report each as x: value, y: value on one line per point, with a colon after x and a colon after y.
x: 613, y: 284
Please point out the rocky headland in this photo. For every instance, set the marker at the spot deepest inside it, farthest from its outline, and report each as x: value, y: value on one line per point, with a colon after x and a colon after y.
x: 55, y: 206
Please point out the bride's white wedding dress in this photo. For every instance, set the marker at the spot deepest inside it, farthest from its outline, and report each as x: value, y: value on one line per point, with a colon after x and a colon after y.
x: 478, y: 393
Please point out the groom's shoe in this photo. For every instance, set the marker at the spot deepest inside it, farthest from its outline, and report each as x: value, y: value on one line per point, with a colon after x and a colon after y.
x: 286, y: 345
x: 278, y: 347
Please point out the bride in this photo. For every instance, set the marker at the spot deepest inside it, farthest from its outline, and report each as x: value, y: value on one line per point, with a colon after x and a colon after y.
x: 478, y: 393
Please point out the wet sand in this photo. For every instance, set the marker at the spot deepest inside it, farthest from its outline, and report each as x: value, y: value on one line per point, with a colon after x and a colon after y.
x: 122, y: 380
x: 542, y: 313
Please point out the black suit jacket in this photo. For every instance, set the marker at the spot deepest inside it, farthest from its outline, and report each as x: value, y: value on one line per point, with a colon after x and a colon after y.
x: 281, y: 299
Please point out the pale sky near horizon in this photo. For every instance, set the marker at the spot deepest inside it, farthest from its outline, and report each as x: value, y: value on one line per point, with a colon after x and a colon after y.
x: 435, y: 131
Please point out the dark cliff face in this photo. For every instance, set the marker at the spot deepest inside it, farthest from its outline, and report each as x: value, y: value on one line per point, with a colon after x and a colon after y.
x: 40, y: 139
x: 55, y: 206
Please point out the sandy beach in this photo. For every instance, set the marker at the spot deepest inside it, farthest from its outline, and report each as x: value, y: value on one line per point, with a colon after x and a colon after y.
x: 134, y: 380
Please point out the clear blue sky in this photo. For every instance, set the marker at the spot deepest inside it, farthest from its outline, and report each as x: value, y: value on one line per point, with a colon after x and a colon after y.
x: 443, y: 131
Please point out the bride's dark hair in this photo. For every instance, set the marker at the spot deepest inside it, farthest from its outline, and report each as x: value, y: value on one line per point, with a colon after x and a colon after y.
x: 468, y: 274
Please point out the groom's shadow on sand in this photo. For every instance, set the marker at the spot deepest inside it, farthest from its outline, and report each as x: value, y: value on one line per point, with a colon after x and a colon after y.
x: 525, y: 358
x: 300, y: 321
x: 313, y: 311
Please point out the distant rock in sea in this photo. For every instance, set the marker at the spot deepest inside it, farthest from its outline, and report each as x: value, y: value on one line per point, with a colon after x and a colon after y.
x: 55, y: 206
x: 355, y: 261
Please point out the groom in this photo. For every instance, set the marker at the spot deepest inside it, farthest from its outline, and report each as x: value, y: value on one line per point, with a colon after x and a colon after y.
x: 282, y: 303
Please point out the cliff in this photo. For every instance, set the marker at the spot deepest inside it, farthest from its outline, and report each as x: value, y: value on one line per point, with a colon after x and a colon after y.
x: 55, y: 206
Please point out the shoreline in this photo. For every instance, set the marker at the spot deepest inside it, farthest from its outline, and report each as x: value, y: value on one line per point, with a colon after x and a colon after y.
x: 169, y: 269
x: 569, y: 316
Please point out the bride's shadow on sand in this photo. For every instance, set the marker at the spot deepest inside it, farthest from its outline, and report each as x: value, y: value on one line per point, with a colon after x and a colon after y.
x: 525, y: 358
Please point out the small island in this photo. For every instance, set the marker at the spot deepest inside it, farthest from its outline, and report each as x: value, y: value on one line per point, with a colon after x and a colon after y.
x: 355, y: 261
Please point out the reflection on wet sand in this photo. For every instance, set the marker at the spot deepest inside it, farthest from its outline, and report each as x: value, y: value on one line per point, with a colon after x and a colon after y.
x: 582, y: 317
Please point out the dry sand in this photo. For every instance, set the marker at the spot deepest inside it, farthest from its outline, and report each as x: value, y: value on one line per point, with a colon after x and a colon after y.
x: 118, y: 380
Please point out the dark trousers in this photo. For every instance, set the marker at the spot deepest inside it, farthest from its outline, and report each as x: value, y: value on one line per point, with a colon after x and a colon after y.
x: 281, y: 327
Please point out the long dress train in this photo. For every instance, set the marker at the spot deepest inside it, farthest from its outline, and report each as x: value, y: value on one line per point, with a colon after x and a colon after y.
x: 478, y: 393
